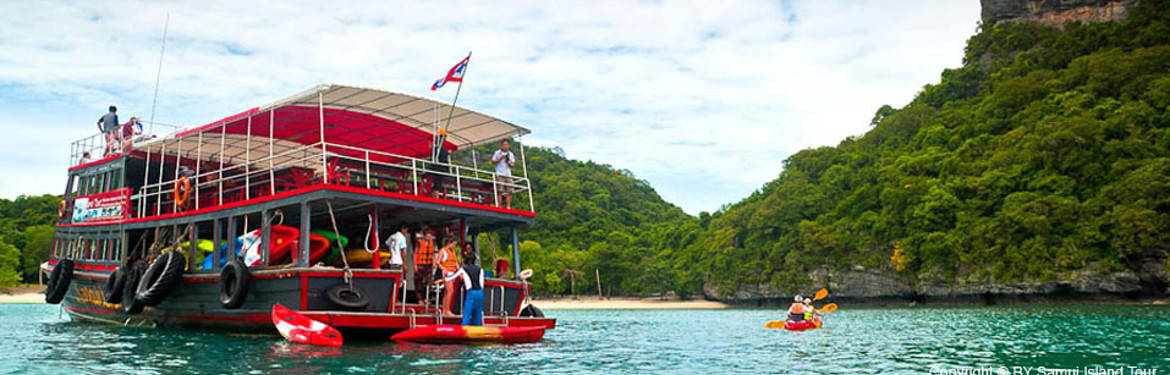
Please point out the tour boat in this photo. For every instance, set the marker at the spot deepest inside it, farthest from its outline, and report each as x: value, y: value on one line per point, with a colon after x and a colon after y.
x: 276, y: 197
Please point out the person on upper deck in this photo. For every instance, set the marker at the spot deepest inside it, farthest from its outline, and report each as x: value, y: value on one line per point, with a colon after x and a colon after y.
x: 108, y: 125
x: 504, y: 160
x: 397, y: 245
x: 85, y: 158
x: 127, y: 132
x: 472, y: 277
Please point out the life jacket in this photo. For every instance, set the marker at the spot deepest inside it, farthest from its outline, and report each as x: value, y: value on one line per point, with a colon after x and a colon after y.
x: 447, y: 260
x: 808, y: 313
x: 796, y: 312
x: 424, y: 254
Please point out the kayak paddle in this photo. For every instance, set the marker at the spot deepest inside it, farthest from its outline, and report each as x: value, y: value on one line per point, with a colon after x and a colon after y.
x: 829, y: 308
x: 821, y: 294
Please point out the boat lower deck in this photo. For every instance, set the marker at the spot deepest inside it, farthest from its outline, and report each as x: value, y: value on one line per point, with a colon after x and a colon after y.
x: 195, y: 302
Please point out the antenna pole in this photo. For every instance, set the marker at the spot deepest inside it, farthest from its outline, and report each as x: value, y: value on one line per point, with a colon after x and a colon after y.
x: 158, y: 75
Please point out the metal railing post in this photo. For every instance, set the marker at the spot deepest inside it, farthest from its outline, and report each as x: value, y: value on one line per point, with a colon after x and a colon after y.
x: 367, y: 169
x: 458, y: 185
x: 414, y: 174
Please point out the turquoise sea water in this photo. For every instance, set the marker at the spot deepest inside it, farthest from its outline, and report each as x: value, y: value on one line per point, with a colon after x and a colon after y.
x: 37, y: 340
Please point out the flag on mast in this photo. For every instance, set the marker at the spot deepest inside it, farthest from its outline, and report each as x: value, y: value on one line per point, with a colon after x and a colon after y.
x: 453, y: 75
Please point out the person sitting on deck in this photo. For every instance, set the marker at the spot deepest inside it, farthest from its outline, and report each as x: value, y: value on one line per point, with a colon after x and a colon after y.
x: 449, y: 264
x: 108, y: 125
x: 504, y: 160
x: 424, y: 261
x: 85, y: 158
x: 809, y: 310
x: 127, y: 132
x: 796, y: 310
x: 473, y: 285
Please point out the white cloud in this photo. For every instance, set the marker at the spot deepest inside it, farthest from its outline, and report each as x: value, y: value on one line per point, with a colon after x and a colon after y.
x: 702, y: 99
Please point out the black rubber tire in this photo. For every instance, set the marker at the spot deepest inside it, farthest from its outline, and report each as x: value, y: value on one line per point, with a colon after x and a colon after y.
x: 346, y: 298
x: 160, y: 278
x: 233, y: 284
x: 59, y: 281
x: 532, y: 311
x: 113, y: 286
x: 130, y: 304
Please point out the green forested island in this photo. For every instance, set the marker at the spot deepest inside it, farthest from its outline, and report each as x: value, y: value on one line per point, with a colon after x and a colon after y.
x: 1040, y: 166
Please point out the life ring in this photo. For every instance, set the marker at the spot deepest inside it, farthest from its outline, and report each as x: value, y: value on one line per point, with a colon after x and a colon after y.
x: 348, y: 298
x: 160, y: 278
x: 114, y: 284
x: 130, y: 304
x: 59, y: 281
x: 182, y: 191
x: 233, y: 284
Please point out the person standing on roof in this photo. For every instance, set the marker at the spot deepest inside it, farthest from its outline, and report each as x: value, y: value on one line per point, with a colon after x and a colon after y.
x: 108, y: 125
x: 504, y: 160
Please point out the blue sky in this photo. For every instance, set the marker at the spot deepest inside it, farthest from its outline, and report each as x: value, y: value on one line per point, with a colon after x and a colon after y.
x: 703, y: 100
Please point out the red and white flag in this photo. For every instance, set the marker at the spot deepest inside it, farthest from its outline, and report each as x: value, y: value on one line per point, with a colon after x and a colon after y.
x: 453, y: 75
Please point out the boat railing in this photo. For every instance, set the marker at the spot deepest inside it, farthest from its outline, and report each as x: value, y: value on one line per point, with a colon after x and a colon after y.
x: 96, y: 144
x: 216, y: 181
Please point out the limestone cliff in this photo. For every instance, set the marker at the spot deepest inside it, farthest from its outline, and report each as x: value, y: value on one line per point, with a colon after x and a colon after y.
x: 1054, y: 12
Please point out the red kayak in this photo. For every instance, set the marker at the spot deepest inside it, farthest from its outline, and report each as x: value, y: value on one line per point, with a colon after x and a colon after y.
x: 457, y: 334
x: 807, y: 324
x: 300, y: 329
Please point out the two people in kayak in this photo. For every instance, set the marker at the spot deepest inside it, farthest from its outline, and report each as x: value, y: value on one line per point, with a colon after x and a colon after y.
x: 802, y: 310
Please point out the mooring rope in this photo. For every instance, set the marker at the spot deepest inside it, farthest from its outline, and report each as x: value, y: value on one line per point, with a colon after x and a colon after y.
x: 347, y: 274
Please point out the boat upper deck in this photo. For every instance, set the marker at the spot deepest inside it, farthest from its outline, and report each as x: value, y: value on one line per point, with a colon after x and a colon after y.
x: 331, y: 138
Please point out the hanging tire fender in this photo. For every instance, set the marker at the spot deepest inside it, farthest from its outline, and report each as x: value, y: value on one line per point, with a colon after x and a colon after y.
x: 160, y: 278
x: 112, y: 288
x: 59, y: 281
x: 347, y: 298
x: 130, y: 303
x: 234, y: 280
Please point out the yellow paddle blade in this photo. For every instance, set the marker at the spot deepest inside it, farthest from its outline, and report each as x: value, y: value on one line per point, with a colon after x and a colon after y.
x: 821, y: 294
x: 829, y: 308
x: 775, y: 324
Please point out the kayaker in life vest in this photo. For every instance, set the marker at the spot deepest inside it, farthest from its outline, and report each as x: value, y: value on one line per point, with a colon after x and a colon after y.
x: 796, y: 310
x: 449, y: 264
x: 809, y: 311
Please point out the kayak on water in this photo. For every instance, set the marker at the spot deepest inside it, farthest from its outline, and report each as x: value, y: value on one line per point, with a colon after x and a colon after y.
x: 457, y: 334
x: 799, y: 326
x: 303, y: 330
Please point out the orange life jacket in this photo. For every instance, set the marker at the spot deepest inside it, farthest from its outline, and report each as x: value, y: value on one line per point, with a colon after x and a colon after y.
x: 424, y: 254
x: 447, y: 260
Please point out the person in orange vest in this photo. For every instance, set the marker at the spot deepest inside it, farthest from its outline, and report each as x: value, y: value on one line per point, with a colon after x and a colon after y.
x: 424, y: 261
x: 796, y: 310
x: 449, y: 264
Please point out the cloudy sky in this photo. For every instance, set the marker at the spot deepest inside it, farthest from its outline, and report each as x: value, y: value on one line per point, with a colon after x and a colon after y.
x: 702, y: 99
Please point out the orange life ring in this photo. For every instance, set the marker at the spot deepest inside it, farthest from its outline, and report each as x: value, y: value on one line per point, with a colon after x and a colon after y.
x: 182, y: 191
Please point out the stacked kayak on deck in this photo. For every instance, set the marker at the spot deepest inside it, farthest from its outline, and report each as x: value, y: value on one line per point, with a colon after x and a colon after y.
x: 457, y: 334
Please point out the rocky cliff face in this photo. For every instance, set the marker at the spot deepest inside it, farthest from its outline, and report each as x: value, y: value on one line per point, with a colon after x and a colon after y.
x: 1054, y: 12
x: 1147, y: 277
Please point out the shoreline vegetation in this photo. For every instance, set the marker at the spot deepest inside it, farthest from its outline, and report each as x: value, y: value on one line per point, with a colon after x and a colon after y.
x: 625, y: 303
